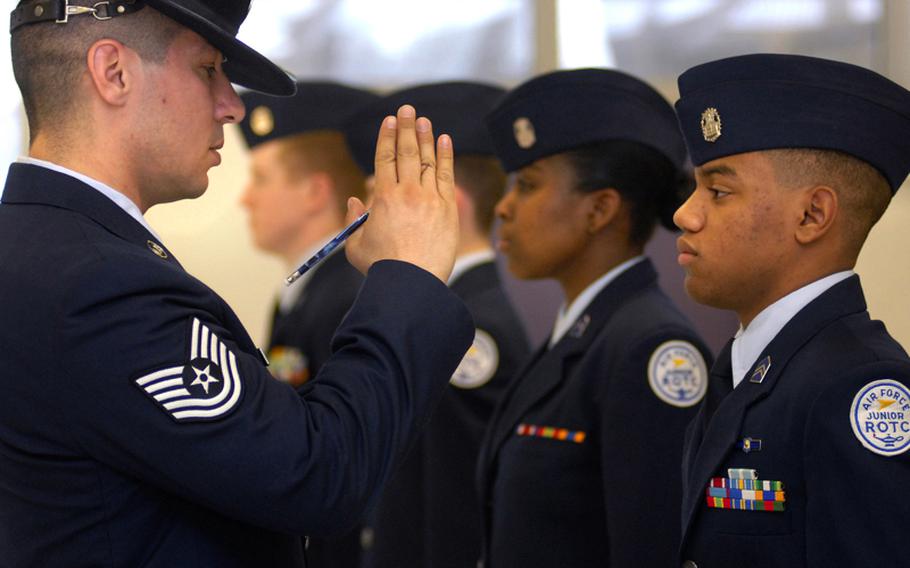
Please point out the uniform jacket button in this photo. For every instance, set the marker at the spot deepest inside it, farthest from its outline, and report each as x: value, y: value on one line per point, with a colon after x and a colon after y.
x: 689, y: 564
x: 366, y: 538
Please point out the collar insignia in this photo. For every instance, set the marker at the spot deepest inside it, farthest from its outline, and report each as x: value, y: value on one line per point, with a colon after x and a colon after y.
x: 759, y: 372
x: 157, y: 249
x: 580, y: 326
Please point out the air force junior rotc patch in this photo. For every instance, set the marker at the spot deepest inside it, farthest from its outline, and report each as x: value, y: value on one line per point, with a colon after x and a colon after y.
x: 206, y: 387
x: 677, y: 373
x: 880, y: 416
x: 479, y: 363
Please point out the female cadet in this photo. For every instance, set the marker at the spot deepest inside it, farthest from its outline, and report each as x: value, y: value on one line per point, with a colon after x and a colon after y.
x: 581, y: 463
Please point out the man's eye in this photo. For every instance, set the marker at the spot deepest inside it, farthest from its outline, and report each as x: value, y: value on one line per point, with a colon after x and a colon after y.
x: 718, y: 193
x: 523, y: 186
x: 211, y: 71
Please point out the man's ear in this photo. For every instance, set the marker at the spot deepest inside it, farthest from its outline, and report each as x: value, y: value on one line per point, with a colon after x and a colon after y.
x: 112, y: 70
x: 604, y: 206
x: 319, y: 188
x: 820, y: 208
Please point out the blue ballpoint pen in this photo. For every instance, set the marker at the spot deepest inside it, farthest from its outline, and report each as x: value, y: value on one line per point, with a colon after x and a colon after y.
x: 332, y: 245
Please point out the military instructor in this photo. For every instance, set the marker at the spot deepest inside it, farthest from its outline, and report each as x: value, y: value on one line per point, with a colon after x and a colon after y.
x: 139, y: 425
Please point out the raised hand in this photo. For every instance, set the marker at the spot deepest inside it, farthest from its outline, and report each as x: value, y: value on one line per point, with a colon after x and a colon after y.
x: 413, y: 216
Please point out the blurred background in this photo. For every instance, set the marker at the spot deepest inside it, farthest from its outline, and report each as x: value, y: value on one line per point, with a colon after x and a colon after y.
x: 394, y: 43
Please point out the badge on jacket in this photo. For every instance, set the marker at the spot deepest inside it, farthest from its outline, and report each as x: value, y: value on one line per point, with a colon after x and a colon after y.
x: 677, y: 373
x: 206, y: 387
x: 289, y: 364
x: 880, y: 417
x: 479, y: 363
x: 744, y: 491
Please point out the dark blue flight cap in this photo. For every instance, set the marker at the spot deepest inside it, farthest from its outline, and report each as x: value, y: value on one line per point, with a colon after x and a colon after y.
x: 318, y: 105
x: 456, y: 108
x: 764, y: 101
x: 563, y: 110
x: 218, y: 21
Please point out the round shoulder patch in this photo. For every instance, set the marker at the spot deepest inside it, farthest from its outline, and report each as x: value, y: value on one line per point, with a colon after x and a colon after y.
x: 479, y: 363
x: 677, y: 373
x: 880, y: 417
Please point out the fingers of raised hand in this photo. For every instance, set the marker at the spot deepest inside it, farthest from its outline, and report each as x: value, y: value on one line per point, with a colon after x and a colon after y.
x: 385, y: 162
x: 445, y: 166
x: 427, y: 153
x: 407, y: 150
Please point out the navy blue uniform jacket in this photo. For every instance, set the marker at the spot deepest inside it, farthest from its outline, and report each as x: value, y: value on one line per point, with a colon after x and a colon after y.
x: 139, y: 428
x: 300, y: 339
x: 429, y: 514
x: 845, y: 505
x: 607, y: 494
x: 299, y: 345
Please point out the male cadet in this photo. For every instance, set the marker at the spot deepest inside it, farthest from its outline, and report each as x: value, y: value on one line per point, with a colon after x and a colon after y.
x: 429, y: 514
x: 301, y: 177
x: 799, y: 455
x: 138, y: 426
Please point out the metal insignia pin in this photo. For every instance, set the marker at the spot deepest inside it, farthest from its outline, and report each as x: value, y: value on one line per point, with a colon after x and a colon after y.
x: 710, y: 124
x: 759, y: 372
x: 157, y: 249
x: 580, y: 326
x: 749, y: 445
x: 262, y: 121
x: 525, y: 136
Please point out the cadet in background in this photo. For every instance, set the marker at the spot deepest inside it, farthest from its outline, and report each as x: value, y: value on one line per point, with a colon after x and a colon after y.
x: 429, y: 514
x: 301, y: 176
x: 580, y: 466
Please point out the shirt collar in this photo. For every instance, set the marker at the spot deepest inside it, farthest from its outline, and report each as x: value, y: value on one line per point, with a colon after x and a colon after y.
x: 751, y: 341
x: 121, y: 200
x: 568, y: 314
x: 468, y: 261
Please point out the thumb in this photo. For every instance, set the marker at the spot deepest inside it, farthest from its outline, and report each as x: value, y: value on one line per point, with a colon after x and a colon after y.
x: 355, y: 209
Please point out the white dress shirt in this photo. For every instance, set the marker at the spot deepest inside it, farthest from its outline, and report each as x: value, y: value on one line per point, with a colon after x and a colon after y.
x: 568, y: 314
x: 751, y: 341
x: 121, y: 200
x: 468, y: 261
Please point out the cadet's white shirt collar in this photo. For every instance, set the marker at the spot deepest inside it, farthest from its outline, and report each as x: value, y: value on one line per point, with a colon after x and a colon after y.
x: 567, y: 315
x: 121, y: 200
x: 288, y: 295
x: 468, y: 261
x: 751, y: 341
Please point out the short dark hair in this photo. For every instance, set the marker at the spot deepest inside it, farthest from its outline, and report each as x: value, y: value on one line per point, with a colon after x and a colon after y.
x: 645, y: 178
x: 863, y: 191
x: 49, y: 59
x: 483, y: 178
x: 323, y: 151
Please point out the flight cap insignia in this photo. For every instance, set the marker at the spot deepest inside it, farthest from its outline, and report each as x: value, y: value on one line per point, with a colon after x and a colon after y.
x: 262, y: 121
x: 710, y: 124
x: 525, y: 136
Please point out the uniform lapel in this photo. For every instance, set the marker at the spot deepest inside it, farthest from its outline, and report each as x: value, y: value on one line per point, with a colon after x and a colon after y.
x: 722, y: 429
x: 31, y: 184
x: 548, y: 368
x: 720, y: 384
x: 476, y: 280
